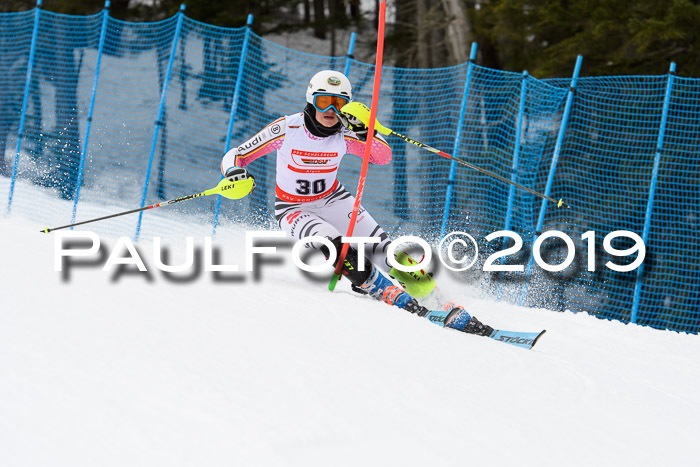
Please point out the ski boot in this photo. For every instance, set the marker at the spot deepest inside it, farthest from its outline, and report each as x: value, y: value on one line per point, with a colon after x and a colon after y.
x: 460, y: 320
x: 372, y: 282
x: 380, y: 287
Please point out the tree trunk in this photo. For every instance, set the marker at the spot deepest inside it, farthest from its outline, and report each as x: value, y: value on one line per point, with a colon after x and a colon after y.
x: 458, y: 31
x: 333, y: 16
x: 422, y: 43
x: 354, y: 9
x: 307, y: 12
x: 319, y: 19
x: 376, y: 13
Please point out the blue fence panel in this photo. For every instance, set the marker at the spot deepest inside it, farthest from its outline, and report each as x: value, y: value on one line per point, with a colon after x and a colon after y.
x: 542, y: 114
x: 15, y: 43
x: 61, y: 81
x: 91, y: 110
x: 604, y: 168
x: 605, y: 173
x: 125, y: 111
x: 197, y: 113
x: 670, y: 294
x: 457, y: 139
x: 410, y: 192
x: 552, y: 171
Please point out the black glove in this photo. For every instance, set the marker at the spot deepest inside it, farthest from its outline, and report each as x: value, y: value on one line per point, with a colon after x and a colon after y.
x: 354, y: 124
x: 235, y: 174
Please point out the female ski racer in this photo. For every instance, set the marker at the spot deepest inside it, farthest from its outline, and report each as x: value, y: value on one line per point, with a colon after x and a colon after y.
x: 310, y: 201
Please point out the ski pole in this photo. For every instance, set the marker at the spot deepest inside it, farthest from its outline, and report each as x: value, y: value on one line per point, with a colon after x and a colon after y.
x: 368, y: 146
x: 361, y: 112
x: 225, y: 188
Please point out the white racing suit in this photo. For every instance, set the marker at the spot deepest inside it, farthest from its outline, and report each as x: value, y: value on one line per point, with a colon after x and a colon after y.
x: 311, y: 202
x: 309, y: 199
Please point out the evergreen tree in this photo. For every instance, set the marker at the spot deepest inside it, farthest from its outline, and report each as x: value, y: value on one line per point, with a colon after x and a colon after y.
x: 616, y: 37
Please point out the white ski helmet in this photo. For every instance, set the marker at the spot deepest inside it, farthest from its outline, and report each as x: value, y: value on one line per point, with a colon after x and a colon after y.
x: 329, y: 82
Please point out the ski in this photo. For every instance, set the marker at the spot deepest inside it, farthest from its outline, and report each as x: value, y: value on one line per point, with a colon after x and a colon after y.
x: 526, y: 340
x: 450, y: 316
x: 437, y: 316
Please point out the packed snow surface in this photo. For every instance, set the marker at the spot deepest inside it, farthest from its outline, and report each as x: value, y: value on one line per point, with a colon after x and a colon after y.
x: 125, y: 368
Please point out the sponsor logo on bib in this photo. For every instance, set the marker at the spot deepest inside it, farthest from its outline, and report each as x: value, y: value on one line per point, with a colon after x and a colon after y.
x: 302, y: 158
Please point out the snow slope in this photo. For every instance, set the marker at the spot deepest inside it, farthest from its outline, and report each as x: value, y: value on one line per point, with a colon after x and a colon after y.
x: 142, y: 370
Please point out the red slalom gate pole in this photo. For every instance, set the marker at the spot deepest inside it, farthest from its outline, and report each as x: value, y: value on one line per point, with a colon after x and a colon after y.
x: 368, y: 144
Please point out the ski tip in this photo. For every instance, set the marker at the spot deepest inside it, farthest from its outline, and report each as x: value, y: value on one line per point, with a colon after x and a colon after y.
x: 538, y: 337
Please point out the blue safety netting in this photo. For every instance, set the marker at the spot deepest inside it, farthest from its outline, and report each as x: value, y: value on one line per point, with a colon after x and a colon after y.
x: 107, y: 116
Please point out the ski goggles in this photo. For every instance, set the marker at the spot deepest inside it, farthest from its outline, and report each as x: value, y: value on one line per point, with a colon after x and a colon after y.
x: 323, y: 102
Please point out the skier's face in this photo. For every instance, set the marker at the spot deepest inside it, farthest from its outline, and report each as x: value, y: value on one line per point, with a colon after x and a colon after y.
x: 327, y: 118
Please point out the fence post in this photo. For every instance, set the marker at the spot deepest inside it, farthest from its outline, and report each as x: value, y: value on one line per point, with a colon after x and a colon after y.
x: 553, y: 166
x: 351, y: 54
x: 652, y: 188
x: 516, y: 150
x: 458, y: 138
x: 516, y: 157
x: 161, y: 111
x: 25, y: 99
x: 234, y: 106
x: 81, y: 166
